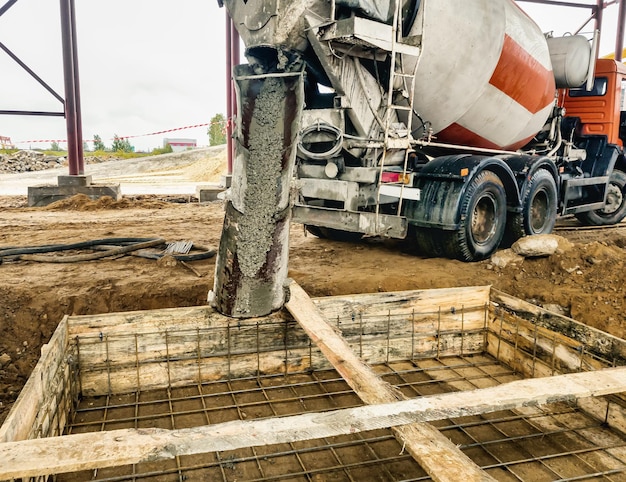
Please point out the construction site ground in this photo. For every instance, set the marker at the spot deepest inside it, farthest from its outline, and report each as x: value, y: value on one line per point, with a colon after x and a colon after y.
x: 586, y: 280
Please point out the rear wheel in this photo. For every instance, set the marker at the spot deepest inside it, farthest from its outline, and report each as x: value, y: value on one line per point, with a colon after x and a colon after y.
x: 539, y: 206
x: 314, y: 230
x: 429, y: 242
x: 483, y: 219
x: 615, y: 208
x: 334, y: 234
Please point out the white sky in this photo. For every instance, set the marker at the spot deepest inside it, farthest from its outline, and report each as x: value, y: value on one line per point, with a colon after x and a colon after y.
x: 145, y: 66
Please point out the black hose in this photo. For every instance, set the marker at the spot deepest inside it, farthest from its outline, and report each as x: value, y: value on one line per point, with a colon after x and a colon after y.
x: 116, y: 250
x: 180, y: 257
x: 50, y: 248
x: 205, y: 254
x: 111, y: 246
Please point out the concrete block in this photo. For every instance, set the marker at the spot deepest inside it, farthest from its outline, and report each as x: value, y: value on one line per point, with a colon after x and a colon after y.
x: 43, y: 195
x: 82, y: 180
x: 226, y: 180
x: 208, y: 193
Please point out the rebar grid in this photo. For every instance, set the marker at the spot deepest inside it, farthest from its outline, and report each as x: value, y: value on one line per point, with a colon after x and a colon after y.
x: 58, y: 405
x: 376, y: 338
x: 529, y: 444
x: 555, y: 442
x: 409, y: 350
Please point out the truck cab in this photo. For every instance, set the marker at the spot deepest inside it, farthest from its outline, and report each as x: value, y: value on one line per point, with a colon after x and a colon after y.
x: 602, y: 110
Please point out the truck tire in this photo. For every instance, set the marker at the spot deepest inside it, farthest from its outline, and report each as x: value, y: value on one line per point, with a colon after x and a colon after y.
x: 334, y: 234
x: 314, y: 230
x: 615, y: 208
x: 483, y: 219
x: 539, y: 207
x: 428, y: 241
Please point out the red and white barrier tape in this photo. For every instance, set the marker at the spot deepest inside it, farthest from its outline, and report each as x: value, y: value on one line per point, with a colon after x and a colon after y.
x: 49, y: 141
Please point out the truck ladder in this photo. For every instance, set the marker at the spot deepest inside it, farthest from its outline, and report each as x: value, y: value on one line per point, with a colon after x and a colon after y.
x: 407, y: 80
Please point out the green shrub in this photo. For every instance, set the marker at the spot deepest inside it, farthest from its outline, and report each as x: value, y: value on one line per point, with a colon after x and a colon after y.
x: 157, y: 151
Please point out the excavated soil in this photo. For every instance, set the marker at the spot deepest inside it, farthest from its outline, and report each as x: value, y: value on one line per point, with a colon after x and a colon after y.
x: 586, y: 281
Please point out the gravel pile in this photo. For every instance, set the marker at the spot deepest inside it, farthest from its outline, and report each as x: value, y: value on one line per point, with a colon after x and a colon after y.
x: 26, y: 161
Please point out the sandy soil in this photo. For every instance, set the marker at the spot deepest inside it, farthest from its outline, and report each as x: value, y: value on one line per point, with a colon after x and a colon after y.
x: 586, y: 280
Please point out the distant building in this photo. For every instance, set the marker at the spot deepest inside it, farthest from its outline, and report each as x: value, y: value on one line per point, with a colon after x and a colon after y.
x: 5, y: 143
x: 180, y: 144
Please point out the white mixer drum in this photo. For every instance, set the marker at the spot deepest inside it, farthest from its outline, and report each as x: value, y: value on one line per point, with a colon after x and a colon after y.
x: 484, y: 77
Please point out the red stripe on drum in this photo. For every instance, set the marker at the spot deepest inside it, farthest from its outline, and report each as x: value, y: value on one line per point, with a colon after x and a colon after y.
x: 517, y: 145
x: 521, y: 77
x: 457, y: 134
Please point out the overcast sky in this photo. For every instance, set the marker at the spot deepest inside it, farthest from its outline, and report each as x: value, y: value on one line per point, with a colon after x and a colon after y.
x: 145, y: 66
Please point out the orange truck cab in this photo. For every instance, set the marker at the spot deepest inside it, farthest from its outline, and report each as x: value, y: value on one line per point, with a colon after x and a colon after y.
x: 602, y: 110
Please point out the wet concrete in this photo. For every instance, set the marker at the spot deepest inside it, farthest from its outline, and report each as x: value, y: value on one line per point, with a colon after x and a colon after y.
x: 252, y: 262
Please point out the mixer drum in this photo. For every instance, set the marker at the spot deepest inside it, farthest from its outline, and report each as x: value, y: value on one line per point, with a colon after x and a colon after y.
x: 484, y: 77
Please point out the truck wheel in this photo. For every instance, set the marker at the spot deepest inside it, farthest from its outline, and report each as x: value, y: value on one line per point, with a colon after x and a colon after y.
x: 483, y: 219
x: 615, y: 207
x: 539, y: 206
x: 314, y: 230
x: 429, y: 242
x: 334, y: 234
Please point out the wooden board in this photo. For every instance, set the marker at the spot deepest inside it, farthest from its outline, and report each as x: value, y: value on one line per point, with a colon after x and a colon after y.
x: 598, y: 342
x: 43, y: 405
x: 31, y: 458
x: 447, y: 301
x: 124, y: 352
x: 443, y: 460
x: 536, y: 351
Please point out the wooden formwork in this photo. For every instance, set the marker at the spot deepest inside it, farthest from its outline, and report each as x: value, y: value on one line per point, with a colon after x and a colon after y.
x: 92, y: 356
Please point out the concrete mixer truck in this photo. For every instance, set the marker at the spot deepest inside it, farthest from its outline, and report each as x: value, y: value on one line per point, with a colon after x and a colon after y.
x: 455, y: 123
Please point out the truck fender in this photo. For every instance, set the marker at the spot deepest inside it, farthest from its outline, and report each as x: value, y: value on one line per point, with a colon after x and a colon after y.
x: 539, y: 185
x: 621, y: 162
x: 525, y: 166
x: 443, y: 183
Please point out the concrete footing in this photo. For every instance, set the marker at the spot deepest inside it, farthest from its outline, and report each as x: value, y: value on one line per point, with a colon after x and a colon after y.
x: 69, y: 186
x: 226, y: 180
x: 208, y: 193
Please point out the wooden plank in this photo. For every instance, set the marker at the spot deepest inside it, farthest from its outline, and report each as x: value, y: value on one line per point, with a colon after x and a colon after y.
x: 31, y: 458
x: 180, y: 373
x: 596, y: 341
x: 36, y: 408
x: 511, y: 342
x: 449, y: 300
x: 115, y: 348
x: 540, y: 345
x: 447, y: 462
x: 179, y: 319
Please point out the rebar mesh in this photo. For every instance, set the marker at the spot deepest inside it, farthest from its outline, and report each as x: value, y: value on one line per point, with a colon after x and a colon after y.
x: 555, y: 442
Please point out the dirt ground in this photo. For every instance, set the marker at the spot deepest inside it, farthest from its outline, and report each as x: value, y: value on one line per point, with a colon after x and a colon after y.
x: 586, y: 281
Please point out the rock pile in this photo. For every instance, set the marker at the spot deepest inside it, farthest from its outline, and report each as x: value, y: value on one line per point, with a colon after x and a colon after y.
x: 26, y: 161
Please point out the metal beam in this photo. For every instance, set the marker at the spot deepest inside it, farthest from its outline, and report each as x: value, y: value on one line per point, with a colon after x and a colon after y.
x: 31, y: 72
x: 621, y: 24
x: 72, y: 104
x: 560, y: 3
x: 6, y: 6
x: 32, y: 112
x: 229, y: 94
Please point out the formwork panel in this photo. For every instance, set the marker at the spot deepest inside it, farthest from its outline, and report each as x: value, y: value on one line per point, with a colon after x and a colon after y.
x: 180, y: 369
x: 556, y: 442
